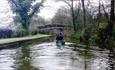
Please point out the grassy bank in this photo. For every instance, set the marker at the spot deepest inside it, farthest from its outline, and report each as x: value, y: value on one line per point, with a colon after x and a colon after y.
x: 12, y: 40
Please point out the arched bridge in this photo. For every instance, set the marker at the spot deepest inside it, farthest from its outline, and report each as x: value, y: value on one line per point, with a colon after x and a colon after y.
x: 51, y: 28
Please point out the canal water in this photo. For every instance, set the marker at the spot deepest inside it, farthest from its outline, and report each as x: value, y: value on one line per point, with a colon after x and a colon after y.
x: 46, y: 56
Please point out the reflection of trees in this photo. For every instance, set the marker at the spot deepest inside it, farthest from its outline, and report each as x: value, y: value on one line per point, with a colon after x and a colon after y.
x: 87, y: 55
x: 111, y: 60
x: 23, y: 59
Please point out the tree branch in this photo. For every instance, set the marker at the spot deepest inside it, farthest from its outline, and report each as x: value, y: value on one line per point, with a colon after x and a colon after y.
x: 106, y: 14
x: 36, y: 8
x: 68, y: 3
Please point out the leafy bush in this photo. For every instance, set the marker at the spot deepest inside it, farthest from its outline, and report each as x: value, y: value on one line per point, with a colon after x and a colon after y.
x: 82, y: 36
x: 75, y: 36
x: 93, y: 39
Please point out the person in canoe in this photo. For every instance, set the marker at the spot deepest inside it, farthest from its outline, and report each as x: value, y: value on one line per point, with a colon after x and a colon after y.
x: 60, y: 39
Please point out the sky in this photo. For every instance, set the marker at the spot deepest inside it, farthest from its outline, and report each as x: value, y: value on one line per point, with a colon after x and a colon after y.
x: 50, y: 8
x: 47, y: 12
x: 5, y: 14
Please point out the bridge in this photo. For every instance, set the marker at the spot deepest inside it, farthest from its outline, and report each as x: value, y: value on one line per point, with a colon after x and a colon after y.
x: 52, y: 28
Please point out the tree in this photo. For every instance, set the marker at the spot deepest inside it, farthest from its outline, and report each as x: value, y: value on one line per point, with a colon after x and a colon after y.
x: 110, y: 26
x: 62, y: 16
x: 25, y: 10
x: 84, y: 12
x: 70, y: 4
x: 106, y: 34
x: 36, y: 22
x: 112, y: 16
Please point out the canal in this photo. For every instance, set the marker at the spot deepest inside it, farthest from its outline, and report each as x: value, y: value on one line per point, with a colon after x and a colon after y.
x: 46, y: 56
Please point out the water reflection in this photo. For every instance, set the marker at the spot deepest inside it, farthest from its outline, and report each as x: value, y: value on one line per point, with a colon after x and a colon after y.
x: 23, y: 58
x: 7, y: 59
x: 97, y: 60
x: 46, y: 56
x: 111, y: 60
x: 86, y: 55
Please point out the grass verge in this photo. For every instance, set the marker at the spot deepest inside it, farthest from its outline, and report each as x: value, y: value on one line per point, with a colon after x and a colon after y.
x: 12, y: 40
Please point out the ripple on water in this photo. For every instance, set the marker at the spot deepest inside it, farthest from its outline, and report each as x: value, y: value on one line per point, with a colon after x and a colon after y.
x: 47, y: 56
x: 7, y: 59
x: 51, y: 58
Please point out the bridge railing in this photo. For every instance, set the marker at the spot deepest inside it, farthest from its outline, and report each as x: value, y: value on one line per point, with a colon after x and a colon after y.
x: 52, y: 26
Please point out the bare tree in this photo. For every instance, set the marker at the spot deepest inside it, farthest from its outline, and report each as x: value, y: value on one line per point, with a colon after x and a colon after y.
x: 84, y: 12
x: 70, y: 4
x: 106, y: 34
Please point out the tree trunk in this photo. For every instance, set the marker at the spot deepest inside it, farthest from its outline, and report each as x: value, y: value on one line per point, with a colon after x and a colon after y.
x: 110, y: 26
x: 73, y: 17
x: 106, y: 34
x: 112, y: 22
x: 99, y: 14
x: 84, y: 12
x: 112, y: 15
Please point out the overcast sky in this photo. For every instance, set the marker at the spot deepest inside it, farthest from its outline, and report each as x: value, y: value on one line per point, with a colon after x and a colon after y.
x: 46, y: 12
x: 5, y: 14
x: 50, y: 8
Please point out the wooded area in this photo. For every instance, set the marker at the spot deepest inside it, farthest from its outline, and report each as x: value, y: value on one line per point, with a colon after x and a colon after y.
x: 92, y: 23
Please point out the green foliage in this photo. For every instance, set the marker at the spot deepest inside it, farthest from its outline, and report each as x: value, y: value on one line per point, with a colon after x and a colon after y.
x: 75, y: 36
x: 94, y: 29
x: 25, y: 10
x: 93, y: 39
x: 83, y: 36
x: 17, y: 19
x: 114, y: 33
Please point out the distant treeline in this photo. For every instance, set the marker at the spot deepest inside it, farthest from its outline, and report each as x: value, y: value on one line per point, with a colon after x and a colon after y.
x: 5, y: 33
x: 9, y: 33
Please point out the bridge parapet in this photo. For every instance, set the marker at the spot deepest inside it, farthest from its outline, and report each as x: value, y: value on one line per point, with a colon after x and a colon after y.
x: 52, y: 28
